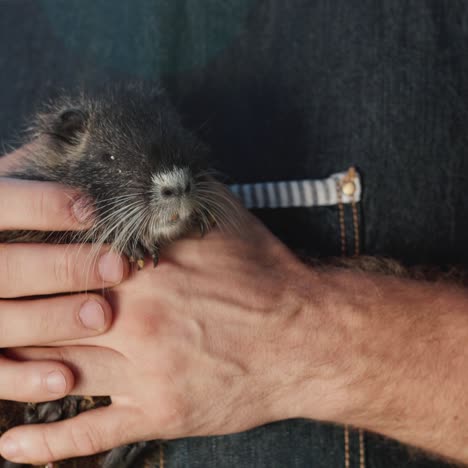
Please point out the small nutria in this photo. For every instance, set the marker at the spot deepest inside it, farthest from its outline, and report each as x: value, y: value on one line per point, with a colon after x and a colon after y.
x: 148, y: 182
x: 145, y: 174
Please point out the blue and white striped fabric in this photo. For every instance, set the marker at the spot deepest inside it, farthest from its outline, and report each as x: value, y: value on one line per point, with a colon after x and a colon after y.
x: 343, y: 187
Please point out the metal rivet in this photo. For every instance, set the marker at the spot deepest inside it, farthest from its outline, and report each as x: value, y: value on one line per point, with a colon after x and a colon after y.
x: 349, y: 188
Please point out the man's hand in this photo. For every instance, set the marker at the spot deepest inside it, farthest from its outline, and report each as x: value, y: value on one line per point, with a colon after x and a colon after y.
x: 228, y: 333
x: 32, y: 270
x: 200, y: 345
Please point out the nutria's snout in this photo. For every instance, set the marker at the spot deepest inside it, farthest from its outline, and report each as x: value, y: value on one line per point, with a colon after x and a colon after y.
x: 172, y: 185
x: 176, y: 191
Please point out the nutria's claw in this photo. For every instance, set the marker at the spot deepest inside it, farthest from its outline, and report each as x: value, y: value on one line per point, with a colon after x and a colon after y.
x: 213, y: 222
x: 155, y: 256
x: 136, y: 255
x: 206, y: 223
x: 140, y: 262
x: 87, y: 403
x: 203, y: 229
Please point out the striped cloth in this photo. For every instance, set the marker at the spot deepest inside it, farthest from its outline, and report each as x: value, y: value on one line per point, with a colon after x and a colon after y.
x: 301, y: 193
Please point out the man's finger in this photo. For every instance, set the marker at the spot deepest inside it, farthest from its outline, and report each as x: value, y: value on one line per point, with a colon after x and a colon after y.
x: 42, y: 206
x: 34, y: 381
x: 36, y: 322
x: 90, y: 365
x: 88, y: 433
x: 38, y: 269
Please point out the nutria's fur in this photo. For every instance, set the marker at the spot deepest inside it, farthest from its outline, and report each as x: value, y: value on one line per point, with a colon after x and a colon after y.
x: 146, y: 176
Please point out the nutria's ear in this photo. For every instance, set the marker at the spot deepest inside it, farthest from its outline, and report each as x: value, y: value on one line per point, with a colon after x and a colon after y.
x: 69, y: 124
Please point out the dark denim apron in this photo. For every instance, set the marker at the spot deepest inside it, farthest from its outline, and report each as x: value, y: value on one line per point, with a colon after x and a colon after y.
x: 284, y: 91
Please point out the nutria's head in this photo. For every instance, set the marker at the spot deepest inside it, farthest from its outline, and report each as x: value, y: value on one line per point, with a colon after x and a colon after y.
x: 127, y: 149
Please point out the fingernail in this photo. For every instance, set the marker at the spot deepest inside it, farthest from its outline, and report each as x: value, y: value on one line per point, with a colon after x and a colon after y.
x: 56, y: 382
x: 111, y: 267
x: 9, y: 448
x: 92, y: 315
x: 83, y: 210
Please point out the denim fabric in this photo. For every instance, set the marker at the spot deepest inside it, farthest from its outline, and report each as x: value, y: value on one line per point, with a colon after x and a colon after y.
x: 283, y: 90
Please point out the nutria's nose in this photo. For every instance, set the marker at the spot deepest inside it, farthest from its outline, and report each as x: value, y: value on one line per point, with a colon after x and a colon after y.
x: 169, y: 192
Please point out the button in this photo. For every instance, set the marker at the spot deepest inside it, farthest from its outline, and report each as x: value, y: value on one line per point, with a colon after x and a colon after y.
x: 349, y: 188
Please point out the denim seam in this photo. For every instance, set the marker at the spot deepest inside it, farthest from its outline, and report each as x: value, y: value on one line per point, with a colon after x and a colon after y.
x: 341, y: 219
x: 354, y: 208
x: 340, y: 183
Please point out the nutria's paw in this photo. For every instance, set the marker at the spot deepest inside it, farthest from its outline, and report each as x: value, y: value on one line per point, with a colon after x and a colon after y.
x: 87, y: 403
x: 204, y: 223
x: 155, y: 256
x: 51, y: 411
x: 129, y: 456
x: 136, y: 255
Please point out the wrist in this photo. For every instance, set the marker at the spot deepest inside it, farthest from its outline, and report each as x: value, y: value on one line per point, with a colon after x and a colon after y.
x: 314, y: 365
x: 374, y: 351
x: 349, y: 335
x: 339, y: 347
x: 385, y: 350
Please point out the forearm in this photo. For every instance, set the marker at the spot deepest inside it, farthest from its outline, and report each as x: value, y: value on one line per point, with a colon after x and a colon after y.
x: 392, y: 358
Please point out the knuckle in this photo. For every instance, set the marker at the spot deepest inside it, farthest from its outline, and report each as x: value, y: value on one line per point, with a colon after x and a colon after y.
x: 43, y: 322
x: 5, y: 331
x: 65, y: 270
x: 47, y: 323
x: 145, y: 324
x: 48, y: 206
x: 85, y: 439
x: 41, y: 206
x: 20, y: 386
x: 49, y: 452
x: 60, y: 354
x: 9, y: 271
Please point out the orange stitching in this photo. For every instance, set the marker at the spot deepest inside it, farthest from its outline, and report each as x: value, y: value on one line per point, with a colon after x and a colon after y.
x: 350, y: 176
x: 362, y: 450
x: 356, y: 227
x: 339, y: 185
x: 161, y: 455
x: 339, y: 188
x: 362, y: 453
x: 346, y: 447
x: 352, y: 173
